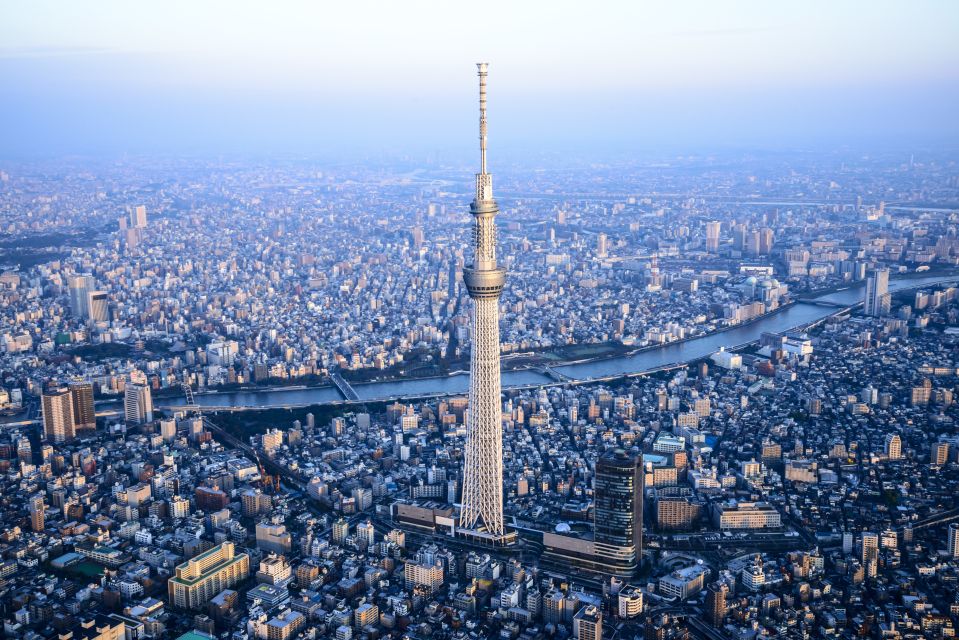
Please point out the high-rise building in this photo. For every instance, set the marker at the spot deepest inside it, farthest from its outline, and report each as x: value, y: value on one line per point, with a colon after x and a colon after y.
x: 602, y: 245
x: 84, y: 414
x: 341, y: 530
x: 870, y: 553
x: 138, y: 217
x: 254, y: 502
x: 129, y: 234
x: 618, y: 509
x: 877, y: 299
x: 416, y: 234
x: 199, y: 579
x: 98, y: 307
x: 179, y: 507
x: 712, y: 236
x: 716, y: 594
x: 588, y: 623
x: 940, y: 453
x: 952, y: 547
x: 365, y: 535
x: 137, y: 403
x: 482, y: 505
x: 765, y: 241
x: 37, y: 509
x: 893, y: 446
x: 58, y: 423
x: 79, y: 287
x: 426, y: 575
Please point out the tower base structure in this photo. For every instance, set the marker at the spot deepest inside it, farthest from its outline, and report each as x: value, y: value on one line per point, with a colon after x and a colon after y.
x: 482, y: 538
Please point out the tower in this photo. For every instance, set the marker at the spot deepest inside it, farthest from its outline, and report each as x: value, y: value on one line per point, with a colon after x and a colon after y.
x: 952, y: 547
x: 482, y: 506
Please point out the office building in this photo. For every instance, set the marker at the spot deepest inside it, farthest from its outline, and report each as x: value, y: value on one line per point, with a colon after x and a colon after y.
x: 58, y: 422
x: 98, y: 306
x: 138, y: 217
x: 137, y: 403
x: 746, y: 515
x: 618, y: 509
x: 199, y: 579
x: 78, y: 288
x: 877, y: 299
x: 482, y: 502
x: 84, y: 413
x: 952, y: 547
x: 683, y: 583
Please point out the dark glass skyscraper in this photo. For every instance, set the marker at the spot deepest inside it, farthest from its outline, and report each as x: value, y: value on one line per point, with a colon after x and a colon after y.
x: 618, y: 508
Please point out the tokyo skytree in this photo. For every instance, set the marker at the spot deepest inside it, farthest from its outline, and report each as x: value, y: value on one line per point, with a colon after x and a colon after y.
x: 482, y: 506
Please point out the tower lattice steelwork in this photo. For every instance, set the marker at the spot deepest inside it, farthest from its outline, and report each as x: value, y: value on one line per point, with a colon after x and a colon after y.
x: 483, y: 474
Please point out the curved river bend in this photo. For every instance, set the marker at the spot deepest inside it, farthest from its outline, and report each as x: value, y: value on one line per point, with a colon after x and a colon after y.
x: 795, y: 316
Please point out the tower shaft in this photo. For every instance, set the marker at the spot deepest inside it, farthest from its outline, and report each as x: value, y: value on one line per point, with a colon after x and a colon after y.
x: 483, y: 471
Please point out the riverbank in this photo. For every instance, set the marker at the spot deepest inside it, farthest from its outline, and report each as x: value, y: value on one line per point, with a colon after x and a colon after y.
x: 641, y: 362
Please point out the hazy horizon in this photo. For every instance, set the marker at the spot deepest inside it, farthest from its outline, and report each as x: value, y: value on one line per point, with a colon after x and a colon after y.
x: 369, y: 78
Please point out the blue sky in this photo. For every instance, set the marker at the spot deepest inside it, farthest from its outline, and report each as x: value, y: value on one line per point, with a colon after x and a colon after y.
x: 331, y: 78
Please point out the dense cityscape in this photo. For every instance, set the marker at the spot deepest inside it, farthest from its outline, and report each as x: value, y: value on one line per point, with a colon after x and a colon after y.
x: 614, y: 395
x: 802, y: 483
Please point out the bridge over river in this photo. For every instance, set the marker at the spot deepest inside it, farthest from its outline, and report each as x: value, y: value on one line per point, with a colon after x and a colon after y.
x: 797, y: 316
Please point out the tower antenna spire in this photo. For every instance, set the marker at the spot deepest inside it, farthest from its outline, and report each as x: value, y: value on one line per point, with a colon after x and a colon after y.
x: 484, y: 181
x: 482, y: 70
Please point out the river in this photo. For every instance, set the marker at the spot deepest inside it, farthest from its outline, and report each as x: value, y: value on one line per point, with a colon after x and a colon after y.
x: 792, y: 317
